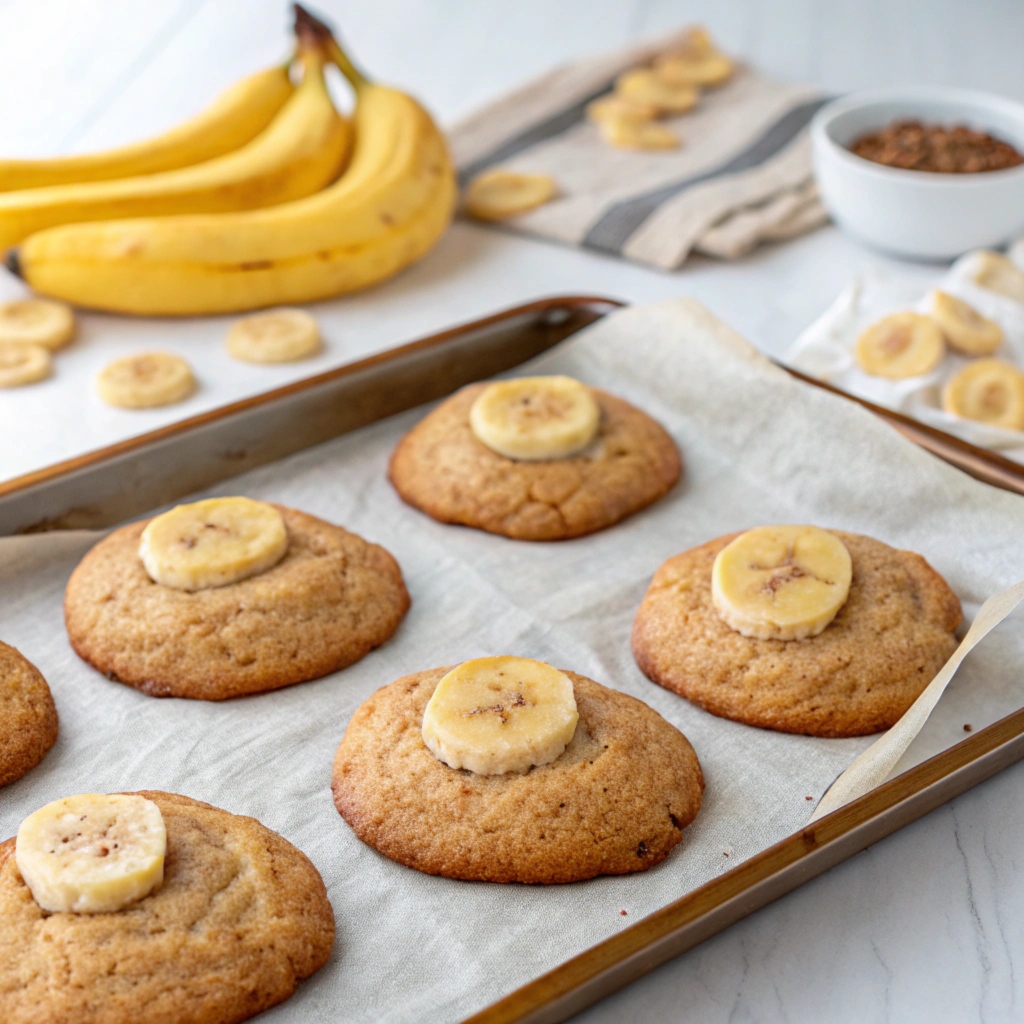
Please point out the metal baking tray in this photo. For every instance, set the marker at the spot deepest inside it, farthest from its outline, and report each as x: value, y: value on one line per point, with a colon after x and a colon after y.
x: 124, y: 480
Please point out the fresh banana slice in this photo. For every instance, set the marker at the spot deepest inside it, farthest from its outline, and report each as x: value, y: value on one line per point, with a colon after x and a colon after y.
x: 147, y: 380
x: 23, y: 364
x: 628, y: 133
x: 498, y: 715
x: 213, y: 543
x: 613, y: 107
x: 93, y: 853
x: 989, y: 391
x: 900, y: 345
x: 533, y: 418
x: 497, y: 194
x: 965, y: 328
x: 781, y: 582
x: 995, y: 272
x: 37, y: 322
x: 276, y: 336
x: 643, y: 85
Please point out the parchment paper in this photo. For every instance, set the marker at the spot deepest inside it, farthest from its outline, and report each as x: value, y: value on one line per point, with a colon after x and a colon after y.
x: 758, y: 447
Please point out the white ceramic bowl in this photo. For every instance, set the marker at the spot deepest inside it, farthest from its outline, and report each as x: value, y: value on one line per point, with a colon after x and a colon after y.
x: 919, y: 214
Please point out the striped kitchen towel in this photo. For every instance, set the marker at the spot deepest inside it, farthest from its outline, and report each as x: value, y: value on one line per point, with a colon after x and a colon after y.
x: 741, y: 177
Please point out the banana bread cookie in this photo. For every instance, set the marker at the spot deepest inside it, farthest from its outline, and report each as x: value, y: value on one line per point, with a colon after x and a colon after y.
x: 616, y: 801
x: 442, y: 468
x: 331, y: 599
x: 241, y: 918
x: 28, y: 719
x: 886, y: 643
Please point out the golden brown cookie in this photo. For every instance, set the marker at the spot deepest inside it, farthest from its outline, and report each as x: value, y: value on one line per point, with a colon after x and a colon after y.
x: 241, y: 918
x: 442, y: 469
x: 885, y: 645
x: 327, y: 603
x: 616, y: 800
x: 28, y: 719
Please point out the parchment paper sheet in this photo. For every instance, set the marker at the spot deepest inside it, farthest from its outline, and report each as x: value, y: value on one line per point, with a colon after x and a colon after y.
x: 758, y: 448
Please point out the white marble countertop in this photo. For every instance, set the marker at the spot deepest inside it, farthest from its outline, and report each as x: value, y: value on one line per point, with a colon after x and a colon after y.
x: 925, y: 926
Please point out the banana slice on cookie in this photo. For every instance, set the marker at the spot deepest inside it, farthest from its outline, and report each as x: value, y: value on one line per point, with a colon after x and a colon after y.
x: 630, y: 133
x: 997, y: 273
x: 276, y: 336
x: 643, y: 85
x: 93, y: 853
x: 23, y: 364
x: 213, y: 543
x: 37, y: 322
x: 899, y: 346
x: 965, y: 328
x: 146, y: 381
x: 497, y: 194
x: 535, y: 418
x: 989, y: 391
x: 498, y: 715
x: 781, y: 582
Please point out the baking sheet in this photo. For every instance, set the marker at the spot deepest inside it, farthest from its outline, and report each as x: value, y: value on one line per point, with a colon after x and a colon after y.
x: 758, y: 446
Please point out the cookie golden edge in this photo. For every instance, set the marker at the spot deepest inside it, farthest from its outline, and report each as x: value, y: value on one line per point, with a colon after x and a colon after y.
x: 845, y: 724
x: 24, y: 746
x: 106, y: 656
x: 442, y: 833
x: 302, y: 894
x: 409, y: 474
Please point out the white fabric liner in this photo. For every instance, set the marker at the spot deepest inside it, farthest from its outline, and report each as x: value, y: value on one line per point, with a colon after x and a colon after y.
x: 758, y: 446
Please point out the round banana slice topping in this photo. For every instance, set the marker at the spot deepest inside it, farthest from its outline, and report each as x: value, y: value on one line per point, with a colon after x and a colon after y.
x: 989, y: 391
x: 37, y: 322
x: 146, y: 381
x: 213, y: 543
x: 965, y: 328
x: 901, y: 345
x: 497, y: 194
x: 612, y: 107
x: 497, y: 715
x: 93, y: 853
x: 781, y: 582
x: 23, y: 364
x: 629, y: 133
x: 534, y: 418
x: 643, y: 85
x: 997, y: 273
x: 276, y: 336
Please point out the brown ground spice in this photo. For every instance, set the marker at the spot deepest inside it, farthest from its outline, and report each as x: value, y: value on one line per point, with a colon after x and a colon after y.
x: 958, y: 149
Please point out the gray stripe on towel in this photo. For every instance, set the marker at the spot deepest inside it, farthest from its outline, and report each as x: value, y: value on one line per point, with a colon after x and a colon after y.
x: 616, y: 226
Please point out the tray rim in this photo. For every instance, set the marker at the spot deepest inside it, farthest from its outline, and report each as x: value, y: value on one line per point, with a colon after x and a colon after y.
x: 757, y: 881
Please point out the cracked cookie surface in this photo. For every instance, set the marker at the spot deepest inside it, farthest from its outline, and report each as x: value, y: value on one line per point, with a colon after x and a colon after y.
x: 616, y: 801
x: 441, y: 468
x: 887, y: 642
x: 242, y: 917
x: 326, y: 604
x: 28, y: 718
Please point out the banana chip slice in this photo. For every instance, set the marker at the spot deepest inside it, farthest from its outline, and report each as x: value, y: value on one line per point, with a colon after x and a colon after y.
x: 497, y: 194
x: 628, y: 133
x: 534, y: 418
x: 37, y: 322
x: 276, y: 336
x: 989, y: 391
x: 147, y: 380
x: 498, y: 715
x: 899, y: 346
x: 213, y: 543
x: 643, y: 85
x: 965, y: 328
x: 23, y: 364
x: 612, y: 107
x: 997, y: 273
x: 93, y: 853
x: 696, y: 62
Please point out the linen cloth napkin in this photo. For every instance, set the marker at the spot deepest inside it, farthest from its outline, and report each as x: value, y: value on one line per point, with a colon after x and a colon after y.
x: 741, y: 177
x: 758, y: 447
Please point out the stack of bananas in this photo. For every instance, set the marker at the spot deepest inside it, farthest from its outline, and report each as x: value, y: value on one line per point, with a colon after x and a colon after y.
x: 269, y: 197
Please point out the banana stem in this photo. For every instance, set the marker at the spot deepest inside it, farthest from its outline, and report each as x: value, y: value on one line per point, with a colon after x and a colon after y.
x: 309, y: 27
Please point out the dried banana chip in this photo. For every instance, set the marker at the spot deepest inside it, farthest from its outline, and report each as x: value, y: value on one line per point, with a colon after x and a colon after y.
x: 625, y: 133
x: 612, y: 106
x: 497, y: 194
x: 643, y: 85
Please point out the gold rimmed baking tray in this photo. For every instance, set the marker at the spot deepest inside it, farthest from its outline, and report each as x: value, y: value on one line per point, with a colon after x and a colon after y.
x: 116, y: 483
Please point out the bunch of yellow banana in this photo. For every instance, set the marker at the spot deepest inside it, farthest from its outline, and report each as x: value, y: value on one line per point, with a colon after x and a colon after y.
x: 264, y: 231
